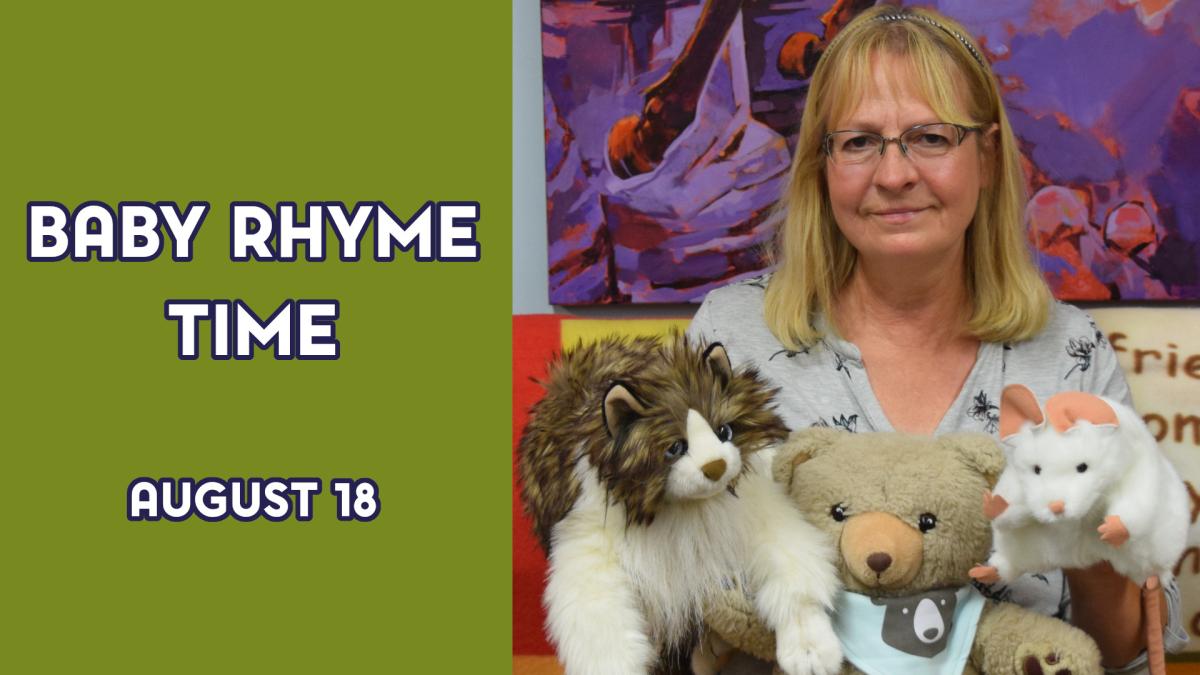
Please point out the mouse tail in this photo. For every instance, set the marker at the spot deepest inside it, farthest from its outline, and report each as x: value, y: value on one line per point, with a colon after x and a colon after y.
x: 1152, y: 614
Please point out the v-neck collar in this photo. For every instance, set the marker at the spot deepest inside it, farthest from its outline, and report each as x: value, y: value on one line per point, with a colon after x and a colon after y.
x: 864, y: 395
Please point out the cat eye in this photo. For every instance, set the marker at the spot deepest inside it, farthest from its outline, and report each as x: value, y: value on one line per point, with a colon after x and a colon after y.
x: 1081, y: 468
x: 725, y: 433
x: 1037, y: 469
x: 927, y: 522
x: 678, y: 449
x: 838, y: 512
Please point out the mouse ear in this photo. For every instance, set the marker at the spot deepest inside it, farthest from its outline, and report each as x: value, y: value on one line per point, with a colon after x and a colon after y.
x: 621, y: 406
x: 718, y: 360
x: 800, y: 447
x: 1069, y: 407
x: 1018, y: 407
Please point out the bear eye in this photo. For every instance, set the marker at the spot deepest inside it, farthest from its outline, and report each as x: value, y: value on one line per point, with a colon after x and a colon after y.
x: 838, y: 512
x: 927, y: 522
x: 1081, y: 468
x: 1037, y: 469
x: 677, y: 450
x: 725, y: 433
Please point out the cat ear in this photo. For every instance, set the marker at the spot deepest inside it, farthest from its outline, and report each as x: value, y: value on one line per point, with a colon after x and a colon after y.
x: 1070, y: 407
x: 621, y: 406
x: 718, y: 359
x: 1018, y: 407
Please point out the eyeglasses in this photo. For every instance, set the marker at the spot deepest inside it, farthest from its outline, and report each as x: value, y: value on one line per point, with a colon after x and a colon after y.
x: 922, y: 142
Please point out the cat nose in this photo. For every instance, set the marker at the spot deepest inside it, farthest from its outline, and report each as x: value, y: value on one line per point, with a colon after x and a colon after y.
x: 879, y: 562
x: 1056, y: 507
x: 714, y: 469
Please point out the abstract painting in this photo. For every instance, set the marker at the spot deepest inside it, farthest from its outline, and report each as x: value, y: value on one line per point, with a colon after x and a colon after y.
x: 669, y: 125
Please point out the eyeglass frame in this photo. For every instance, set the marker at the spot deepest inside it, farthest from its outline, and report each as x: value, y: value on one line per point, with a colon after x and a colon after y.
x: 963, y: 130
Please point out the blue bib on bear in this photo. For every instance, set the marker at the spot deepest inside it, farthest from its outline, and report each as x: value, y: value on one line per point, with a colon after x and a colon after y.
x: 929, y: 633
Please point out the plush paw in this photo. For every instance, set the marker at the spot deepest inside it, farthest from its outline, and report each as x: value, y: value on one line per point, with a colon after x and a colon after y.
x: 993, y: 505
x: 1042, y: 658
x: 711, y: 655
x: 732, y: 618
x: 808, y: 646
x: 1113, y: 532
x: 984, y: 574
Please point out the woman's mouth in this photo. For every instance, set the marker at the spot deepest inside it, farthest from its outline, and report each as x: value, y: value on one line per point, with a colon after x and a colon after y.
x: 898, y: 216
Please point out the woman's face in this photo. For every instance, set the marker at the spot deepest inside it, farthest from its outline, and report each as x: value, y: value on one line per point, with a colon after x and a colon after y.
x: 898, y: 207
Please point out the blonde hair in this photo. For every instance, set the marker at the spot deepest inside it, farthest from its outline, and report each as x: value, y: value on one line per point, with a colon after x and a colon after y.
x: 813, y: 260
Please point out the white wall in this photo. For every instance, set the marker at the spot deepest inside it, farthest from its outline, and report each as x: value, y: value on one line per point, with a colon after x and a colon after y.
x: 529, y: 165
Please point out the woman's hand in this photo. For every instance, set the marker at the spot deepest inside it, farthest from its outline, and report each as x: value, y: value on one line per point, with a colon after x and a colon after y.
x: 1108, y: 606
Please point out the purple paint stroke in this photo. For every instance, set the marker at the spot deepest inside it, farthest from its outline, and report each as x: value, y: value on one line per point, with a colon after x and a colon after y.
x: 674, y: 244
x: 1096, y: 83
x: 1097, y: 108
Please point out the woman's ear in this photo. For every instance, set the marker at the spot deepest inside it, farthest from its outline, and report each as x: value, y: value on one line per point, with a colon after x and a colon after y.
x: 989, y: 153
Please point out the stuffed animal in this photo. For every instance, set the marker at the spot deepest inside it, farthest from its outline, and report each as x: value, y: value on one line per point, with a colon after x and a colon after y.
x: 640, y: 472
x: 905, y: 513
x: 1086, y: 483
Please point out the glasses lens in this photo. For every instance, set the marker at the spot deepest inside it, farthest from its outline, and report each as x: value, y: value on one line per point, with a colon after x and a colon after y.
x: 931, y: 140
x: 853, y: 147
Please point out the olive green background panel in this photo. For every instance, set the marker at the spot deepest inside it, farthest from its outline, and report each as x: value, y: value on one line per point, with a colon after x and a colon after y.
x: 219, y: 102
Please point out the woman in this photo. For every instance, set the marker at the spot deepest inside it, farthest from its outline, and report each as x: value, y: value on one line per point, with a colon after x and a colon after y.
x: 904, y: 297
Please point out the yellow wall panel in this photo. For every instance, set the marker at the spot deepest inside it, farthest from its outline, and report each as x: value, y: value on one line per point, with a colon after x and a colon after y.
x: 590, y: 330
x: 1159, y: 350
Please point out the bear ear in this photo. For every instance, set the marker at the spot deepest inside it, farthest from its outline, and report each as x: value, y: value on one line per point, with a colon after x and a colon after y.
x: 621, y: 406
x: 800, y: 447
x: 1018, y: 406
x: 718, y: 360
x: 979, y: 452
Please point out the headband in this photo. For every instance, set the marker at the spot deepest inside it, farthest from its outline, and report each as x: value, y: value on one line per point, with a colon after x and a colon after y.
x: 931, y: 22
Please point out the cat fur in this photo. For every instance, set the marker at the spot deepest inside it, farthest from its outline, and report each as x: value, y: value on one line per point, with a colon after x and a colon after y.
x: 639, y: 543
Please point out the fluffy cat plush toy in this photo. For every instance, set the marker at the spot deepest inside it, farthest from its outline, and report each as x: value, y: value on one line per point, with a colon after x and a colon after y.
x: 1085, y: 483
x: 641, y: 473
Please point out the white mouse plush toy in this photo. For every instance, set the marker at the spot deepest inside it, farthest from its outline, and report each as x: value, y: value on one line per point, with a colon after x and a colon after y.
x: 1085, y: 483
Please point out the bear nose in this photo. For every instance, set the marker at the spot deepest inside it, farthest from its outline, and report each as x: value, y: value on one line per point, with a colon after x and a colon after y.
x: 879, y: 562
x: 714, y: 469
x: 1056, y: 507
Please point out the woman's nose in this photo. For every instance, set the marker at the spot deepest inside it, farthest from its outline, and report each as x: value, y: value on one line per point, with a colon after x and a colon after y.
x: 895, y: 170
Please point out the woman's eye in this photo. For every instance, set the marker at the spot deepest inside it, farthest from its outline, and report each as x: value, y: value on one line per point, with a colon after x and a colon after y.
x: 838, y: 512
x: 725, y: 433
x: 678, y: 449
x: 1037, y: 469
x: 932, y: 140
x: 1081, y: 468
x: 859, y: 143
x: 927, y: 522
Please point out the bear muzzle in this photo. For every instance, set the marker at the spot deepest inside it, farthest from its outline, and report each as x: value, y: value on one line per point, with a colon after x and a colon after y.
x: 880, y: 550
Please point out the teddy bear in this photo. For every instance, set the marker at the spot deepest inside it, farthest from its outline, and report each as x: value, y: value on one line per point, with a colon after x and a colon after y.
x: 905, y: 513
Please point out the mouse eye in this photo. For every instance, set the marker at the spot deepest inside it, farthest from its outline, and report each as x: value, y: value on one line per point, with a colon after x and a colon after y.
x: 725, y: 433
x: 927, y: 522
x: 1081, y: 468
x: 838, y: 512
x: 677, y: 450
x: 1037, y: 469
